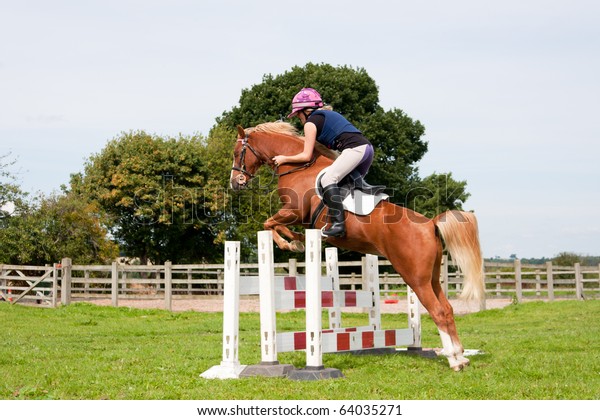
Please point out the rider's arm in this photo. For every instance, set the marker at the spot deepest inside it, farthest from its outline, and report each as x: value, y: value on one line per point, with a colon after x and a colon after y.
x: 310, y: 138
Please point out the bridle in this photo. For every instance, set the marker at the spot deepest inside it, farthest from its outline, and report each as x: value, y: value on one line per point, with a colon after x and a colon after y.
x: 242, y: 169
x: 244, y: 175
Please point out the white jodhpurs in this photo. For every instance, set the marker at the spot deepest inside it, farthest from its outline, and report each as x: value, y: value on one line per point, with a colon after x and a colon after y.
x: 348, y: 160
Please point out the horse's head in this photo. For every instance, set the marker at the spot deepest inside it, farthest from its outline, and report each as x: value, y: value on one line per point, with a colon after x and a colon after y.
x: 258, y: 145
x: 246, y: 161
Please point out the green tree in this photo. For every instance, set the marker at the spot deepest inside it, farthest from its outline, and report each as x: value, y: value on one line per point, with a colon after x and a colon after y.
x: 46, y: 229
x: 152, y: 188
x: 350, y: 91
x: 9, y: 190
x: 567, y: 259
x: 437, y: 193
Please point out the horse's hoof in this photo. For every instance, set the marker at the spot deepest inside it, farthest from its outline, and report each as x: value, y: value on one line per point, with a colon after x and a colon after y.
x: 297, y: 246
x: 463, y: 362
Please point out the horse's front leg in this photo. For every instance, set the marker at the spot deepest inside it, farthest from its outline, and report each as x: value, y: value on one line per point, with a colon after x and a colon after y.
x: 279, y: 223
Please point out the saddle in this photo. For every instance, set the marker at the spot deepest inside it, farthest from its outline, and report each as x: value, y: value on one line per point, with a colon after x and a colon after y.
x: 358, y: 196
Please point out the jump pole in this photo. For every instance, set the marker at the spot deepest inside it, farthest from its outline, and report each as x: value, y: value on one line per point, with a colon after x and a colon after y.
x: 333, y: 276
x: 269, y: 366
x: 314, y: 352
x: 230, y: 367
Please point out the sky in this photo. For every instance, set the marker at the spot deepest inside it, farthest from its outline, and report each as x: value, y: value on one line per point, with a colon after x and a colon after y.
x: 509, y: 92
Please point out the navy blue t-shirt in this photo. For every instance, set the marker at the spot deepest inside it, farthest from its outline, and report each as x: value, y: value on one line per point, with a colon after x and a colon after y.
x: 344, y: 140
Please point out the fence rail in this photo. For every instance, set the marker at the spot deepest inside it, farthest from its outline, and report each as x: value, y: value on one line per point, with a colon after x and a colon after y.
x: 65, y: 282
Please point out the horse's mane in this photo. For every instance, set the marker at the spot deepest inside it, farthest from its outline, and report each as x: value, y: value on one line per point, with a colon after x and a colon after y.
x: 278, y: 127
x: 281, y: 127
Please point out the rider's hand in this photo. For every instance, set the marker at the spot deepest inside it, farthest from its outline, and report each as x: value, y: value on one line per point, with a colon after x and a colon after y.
x: 279, y: 160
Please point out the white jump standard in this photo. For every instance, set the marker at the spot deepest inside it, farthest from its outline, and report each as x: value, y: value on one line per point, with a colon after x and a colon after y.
x: 312, y: 293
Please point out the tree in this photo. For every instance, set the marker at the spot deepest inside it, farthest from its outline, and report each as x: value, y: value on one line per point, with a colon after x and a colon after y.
x: 152, y: 188
x: 350, y: 91
x: 9, y: 190
x: 567, y: 259
x: 437, y: 193
x: 46, y: 229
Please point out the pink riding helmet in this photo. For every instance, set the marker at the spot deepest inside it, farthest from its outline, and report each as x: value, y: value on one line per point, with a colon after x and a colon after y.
x: 306, y: 98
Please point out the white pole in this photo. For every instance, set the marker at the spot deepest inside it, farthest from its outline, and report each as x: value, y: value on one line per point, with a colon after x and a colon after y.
x: 414, y: 316
x: 266, y: 274
x: 333, y: 275
x: 231, y: 304
x: 314, y: 354
x: 372, y: 285
x: 230, y: 367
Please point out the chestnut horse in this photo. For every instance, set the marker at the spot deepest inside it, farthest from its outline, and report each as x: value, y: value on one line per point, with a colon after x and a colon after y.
x: 409, y: 240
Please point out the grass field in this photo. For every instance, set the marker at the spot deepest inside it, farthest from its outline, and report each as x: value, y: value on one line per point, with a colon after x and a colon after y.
x: 532, y: 351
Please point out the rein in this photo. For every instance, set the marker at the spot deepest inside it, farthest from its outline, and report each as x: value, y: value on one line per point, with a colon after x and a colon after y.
x: 298, y: 168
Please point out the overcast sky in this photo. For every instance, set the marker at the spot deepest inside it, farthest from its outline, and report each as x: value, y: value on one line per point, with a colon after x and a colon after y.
x: 508, y: 91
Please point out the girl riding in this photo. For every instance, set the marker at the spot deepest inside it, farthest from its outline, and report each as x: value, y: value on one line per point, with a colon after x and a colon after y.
x: 323, y: 125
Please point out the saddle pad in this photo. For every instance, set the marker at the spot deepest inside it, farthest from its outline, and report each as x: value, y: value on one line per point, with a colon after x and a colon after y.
x: 356, y: 201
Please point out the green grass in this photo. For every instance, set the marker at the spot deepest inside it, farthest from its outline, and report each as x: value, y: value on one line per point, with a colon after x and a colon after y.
x: 532, y: 351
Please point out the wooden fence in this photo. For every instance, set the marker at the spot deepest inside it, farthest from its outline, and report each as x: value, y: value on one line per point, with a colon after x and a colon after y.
x: 65, y: 282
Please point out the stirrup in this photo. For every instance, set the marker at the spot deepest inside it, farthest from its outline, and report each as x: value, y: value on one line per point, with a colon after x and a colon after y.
x: 340, y: 235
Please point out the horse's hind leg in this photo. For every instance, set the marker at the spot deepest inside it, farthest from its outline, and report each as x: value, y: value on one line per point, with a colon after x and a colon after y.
x: 439, y: 313
x: 420, y: 280
x: 453, y: 349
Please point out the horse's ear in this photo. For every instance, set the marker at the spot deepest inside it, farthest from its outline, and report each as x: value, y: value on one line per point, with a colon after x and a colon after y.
x: 241, y: 132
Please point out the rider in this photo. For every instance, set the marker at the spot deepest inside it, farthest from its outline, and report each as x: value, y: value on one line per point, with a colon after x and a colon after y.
x: 323, y: 125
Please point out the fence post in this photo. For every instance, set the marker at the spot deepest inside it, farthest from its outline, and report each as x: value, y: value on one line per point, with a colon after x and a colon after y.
x: 168, y: 284
x: 498, y: 285
x: 114, y: 284
x: 550, y: 280
x: 54, y: 285
x: 125, y: 286
x: 86, y: 285
x: 65, y: 286
x: 293, y: 267
x: 352, y: 281
x: 518, y: 281
x: 578, y: 282
x: 221, y: 283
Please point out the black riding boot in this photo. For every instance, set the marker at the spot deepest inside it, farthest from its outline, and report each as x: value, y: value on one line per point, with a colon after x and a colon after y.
x: 333, y: 200
x: 359, y: 182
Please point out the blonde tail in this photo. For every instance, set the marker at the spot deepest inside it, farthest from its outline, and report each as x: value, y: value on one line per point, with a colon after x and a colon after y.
x: 460, y: 233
